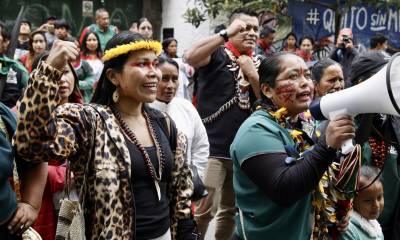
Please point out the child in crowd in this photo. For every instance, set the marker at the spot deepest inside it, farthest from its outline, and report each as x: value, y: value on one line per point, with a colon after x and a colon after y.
x: 368, y: 205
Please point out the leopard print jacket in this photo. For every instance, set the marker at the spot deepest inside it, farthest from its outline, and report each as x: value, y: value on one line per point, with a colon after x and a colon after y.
x: 70, y: 131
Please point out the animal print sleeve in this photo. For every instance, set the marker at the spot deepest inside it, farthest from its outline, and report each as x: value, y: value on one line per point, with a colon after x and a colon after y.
x: 182, y: 185
x: 45, y: 131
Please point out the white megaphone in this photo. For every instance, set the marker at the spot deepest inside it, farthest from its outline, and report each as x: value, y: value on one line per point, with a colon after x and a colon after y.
x: 378, y: 94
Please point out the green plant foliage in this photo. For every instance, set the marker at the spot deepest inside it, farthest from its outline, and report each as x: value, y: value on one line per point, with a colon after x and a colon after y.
x: 212, y: 8
x: 194, y: 16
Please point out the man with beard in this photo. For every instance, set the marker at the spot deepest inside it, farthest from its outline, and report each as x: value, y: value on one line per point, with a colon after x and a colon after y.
x: 227, y: 85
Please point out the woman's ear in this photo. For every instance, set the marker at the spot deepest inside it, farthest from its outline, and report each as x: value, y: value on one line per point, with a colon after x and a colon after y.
x: 113, y: 76
x: 266, y: 90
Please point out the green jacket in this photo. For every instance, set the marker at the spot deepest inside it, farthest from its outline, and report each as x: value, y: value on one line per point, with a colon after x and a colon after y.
x: 86, y: 80
x: 13, y: 79
x: 104, y: 36
x: 8, y: 200
x: 362, y: 229
x: 260, y: 217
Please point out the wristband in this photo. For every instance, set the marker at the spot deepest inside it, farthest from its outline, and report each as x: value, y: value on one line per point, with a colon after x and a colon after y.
x: 224, y: 34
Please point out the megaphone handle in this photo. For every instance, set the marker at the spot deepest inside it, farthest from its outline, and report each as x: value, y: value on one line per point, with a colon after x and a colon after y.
x: 347, y: 146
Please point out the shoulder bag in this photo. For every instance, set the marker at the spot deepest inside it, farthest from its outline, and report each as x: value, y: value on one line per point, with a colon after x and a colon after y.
x: 71, y: 220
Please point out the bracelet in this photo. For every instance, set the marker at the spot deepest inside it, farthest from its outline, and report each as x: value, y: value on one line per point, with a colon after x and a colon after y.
x: 224, y: 34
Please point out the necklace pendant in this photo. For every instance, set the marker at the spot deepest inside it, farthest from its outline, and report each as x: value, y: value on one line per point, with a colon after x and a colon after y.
x: 244, y: 100
x: 158, y: 190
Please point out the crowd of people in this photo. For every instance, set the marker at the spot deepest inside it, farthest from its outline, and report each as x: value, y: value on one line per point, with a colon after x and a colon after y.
x: 158, y: 145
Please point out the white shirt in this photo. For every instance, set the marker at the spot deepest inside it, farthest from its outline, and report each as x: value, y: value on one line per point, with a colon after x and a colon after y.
x: 185, y: 72
x: 188, y: 121
x: 97, y: 67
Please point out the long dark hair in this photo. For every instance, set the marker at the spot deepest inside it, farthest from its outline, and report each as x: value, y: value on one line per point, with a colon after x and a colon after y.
x: 284, y: 44
x: 31, y: 51
x: 164, y: 60
x: 319, y: 68
x: 166, y: 43
x: 105, y: 88
x: 142, y: 20
x: 85, y: 50
x: 311, y: 39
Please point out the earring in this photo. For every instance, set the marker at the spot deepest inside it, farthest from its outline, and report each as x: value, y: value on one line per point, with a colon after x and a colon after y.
x: 115, y: 96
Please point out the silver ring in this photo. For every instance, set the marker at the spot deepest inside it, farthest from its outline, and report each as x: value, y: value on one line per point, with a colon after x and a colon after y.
x: 22, y: 226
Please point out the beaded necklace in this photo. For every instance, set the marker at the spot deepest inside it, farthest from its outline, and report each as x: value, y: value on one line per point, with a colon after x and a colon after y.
x: 160, y: 153
x: 379, y: 150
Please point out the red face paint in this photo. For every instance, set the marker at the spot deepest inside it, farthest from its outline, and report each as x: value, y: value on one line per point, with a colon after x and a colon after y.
x: 145, y: 64
x: 302, y: 71
x: 286, y: 92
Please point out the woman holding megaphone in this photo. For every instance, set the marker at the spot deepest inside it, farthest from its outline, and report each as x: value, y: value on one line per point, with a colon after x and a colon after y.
x: 275, y: 170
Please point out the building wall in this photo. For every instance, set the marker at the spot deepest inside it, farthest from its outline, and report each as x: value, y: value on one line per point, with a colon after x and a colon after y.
x: 185, y: 33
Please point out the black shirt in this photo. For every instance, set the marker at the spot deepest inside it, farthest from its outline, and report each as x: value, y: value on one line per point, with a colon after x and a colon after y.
x: 152, y: 216
x: 23, y: 45
x: 287, y: 183
x: 216, y: 86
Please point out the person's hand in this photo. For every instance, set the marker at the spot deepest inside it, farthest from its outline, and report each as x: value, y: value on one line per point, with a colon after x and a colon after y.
x: 342, y: 225
x: 250, y: 73
x: 235, y: 27
x: 349, y: 44
x: 344, y: 44
x: 46, y: 27
x: 247, y: 66
x: 61, y: 53
x: 43, y: 28
x: 339, y: 130
x: 23, y: 218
